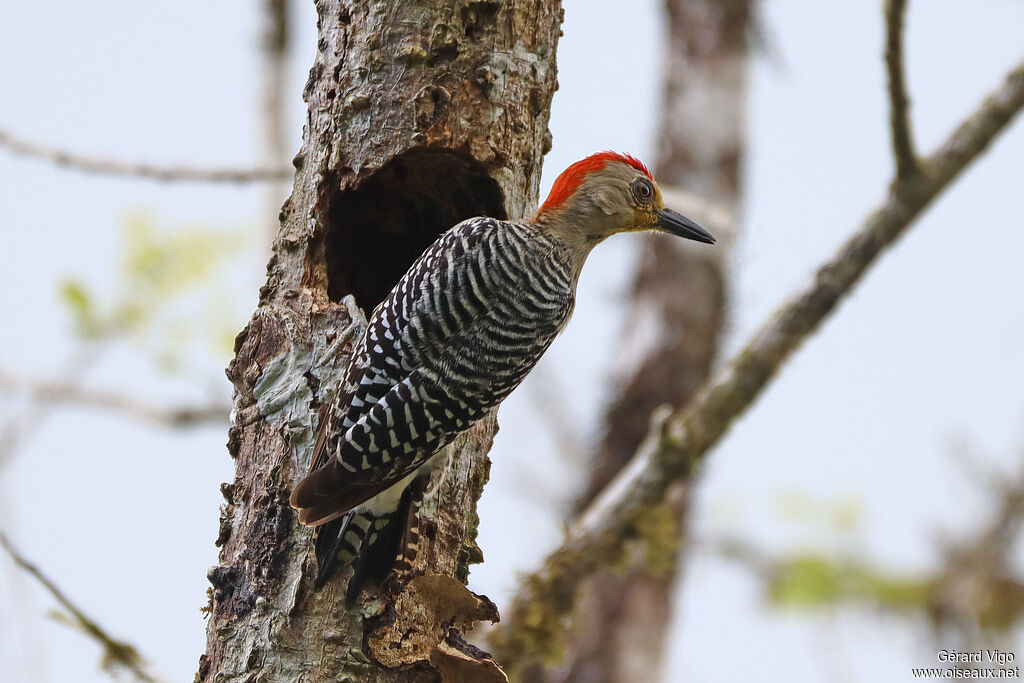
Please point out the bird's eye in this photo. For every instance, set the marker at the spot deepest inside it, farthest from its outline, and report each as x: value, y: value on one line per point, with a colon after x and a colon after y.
x: 643, y: 190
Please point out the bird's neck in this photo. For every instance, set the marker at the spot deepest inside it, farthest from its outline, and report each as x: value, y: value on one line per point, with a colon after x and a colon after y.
x: 563, y: 228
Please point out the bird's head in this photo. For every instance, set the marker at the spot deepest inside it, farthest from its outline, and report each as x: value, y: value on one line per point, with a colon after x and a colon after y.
x: 608, y: 193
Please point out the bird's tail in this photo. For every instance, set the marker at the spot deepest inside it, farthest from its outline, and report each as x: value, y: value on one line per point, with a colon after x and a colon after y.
x: 369, y: 542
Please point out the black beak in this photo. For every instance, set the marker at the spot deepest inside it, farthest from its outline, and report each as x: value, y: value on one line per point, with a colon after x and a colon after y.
x: 677, y: 224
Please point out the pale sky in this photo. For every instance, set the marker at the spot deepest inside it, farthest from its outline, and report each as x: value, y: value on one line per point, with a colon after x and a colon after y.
x: 924, y: 356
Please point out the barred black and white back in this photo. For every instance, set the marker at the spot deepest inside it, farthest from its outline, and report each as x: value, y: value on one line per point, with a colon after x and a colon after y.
x: 455, y: 336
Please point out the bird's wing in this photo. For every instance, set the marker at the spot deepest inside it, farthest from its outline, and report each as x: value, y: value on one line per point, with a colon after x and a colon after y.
x: 319, y: 452
x: 379, y: 361
x: 453, y: 338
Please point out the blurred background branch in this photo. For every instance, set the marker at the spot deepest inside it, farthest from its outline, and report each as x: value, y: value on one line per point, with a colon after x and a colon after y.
x: 977, y: 588
x: 167, y: 298
x: 973, y: 596
x: 66, y: 392
x: 533, y: 628
x: 274, y: 132
x: 674, y: 320
x: 21, y: 425
x: 131, y: 169
x: 131, y: 500
x: 118, y: 655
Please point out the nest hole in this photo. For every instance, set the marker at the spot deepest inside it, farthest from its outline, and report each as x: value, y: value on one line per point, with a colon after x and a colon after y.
x: 378, y: 228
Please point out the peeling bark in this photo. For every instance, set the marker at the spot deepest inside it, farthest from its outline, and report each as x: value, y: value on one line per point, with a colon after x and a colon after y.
x: 462, y: 88
x: 677, y: 309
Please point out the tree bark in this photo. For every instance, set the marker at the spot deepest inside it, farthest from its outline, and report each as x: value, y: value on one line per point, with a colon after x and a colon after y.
x: 677, y: 308
x: 420, y: 114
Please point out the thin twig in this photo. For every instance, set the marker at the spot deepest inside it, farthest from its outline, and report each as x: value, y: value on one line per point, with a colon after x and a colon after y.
x: 113, y: 167
x: 63, y: 392
x: 989, y: 551
x: 741, y: 552
x: 71, y: 371
x: 116, y: 653
x: 902, y: 139
x: 976, y: 587
x: 670, y: 455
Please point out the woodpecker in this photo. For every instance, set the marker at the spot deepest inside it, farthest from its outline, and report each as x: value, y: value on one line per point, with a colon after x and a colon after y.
x: 456, y: 335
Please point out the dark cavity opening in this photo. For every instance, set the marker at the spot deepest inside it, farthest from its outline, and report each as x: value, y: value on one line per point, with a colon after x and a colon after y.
x: 377, y: 229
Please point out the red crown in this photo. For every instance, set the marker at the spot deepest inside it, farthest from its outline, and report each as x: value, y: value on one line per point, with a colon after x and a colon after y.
x: 571, y: 178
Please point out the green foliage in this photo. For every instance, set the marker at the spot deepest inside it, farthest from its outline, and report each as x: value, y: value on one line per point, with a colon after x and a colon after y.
x: 167, y: 262
x: 814, y: 580
x: 809, y: 580
x: 839, y: 515
x: 164, y: 275
x: 77, y: 299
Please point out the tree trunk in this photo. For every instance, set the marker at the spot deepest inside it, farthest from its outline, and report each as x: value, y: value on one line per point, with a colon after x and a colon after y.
x: 420, y: 114
x: 678, y: 302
